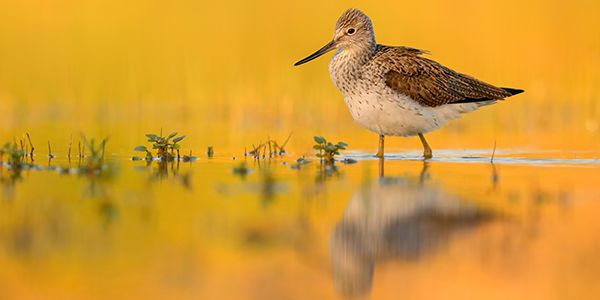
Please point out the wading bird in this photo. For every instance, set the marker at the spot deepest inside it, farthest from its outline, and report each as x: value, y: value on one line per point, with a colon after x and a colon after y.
x: 394, y: 91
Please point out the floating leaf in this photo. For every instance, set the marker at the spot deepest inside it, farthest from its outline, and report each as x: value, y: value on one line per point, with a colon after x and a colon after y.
x: 349, y: 161
x: 140, y: 148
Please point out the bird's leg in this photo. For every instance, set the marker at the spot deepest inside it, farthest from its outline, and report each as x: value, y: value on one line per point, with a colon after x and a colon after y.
x: 427, y: 153
x: 380, y: 149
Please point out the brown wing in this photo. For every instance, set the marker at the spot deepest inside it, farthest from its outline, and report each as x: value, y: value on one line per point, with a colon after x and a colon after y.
x: 432, y: 84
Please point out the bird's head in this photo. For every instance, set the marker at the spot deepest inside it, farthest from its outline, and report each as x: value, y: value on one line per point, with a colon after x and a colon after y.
x: 353, y: 32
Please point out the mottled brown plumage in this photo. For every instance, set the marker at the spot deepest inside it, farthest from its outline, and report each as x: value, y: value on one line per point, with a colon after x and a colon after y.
x: 429, y: 83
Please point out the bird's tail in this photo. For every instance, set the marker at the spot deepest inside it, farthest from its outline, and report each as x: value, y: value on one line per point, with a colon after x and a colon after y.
x: 513, y: 92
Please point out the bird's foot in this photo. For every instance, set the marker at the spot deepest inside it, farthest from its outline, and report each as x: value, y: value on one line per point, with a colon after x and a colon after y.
x: 427, y: 154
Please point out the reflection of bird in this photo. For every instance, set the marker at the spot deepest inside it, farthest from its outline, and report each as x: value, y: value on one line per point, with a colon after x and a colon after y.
x: 398, y: 220
x: 394, y: 90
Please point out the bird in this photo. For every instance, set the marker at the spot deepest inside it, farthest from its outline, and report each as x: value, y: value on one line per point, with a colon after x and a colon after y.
x: 396, y: 90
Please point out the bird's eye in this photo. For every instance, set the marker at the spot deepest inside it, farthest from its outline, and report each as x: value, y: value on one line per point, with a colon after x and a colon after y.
x: 351, y: 31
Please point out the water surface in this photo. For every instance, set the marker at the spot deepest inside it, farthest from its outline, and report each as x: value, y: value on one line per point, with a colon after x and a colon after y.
x: 448, y: 228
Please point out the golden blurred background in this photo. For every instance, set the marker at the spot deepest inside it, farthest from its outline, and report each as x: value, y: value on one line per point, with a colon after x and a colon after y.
x: 222, y: 71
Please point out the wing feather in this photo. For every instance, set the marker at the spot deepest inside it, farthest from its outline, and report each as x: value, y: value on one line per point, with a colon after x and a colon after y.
x: 432, y: 84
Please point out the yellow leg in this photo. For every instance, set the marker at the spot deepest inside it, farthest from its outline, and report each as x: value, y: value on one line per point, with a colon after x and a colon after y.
x: 380, y: 149
x: 427, y: 153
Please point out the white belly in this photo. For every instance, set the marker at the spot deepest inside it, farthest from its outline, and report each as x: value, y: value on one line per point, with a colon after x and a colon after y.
x: 397, y: 115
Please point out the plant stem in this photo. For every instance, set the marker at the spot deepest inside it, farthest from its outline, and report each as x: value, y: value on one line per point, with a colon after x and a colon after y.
x: 70, y: 144
x: 30, y: 144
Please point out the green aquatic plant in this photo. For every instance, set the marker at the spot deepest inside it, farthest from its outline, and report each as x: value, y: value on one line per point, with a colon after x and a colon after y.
x: 188, y: 158
x: 15, y: 162
x: 31, y: 147
x: 50, y: 155
x: 148, y: 157
x: 96, y: 150
x: 269, y: 149
x: 166, y: 147
x: 299, y: 163
x: 327, y: 150
x: 14, y: 156
x: 210, y: 152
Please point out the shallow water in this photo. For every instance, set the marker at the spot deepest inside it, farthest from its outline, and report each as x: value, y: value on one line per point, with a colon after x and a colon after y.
x: 498, y: 156
x: 451, y: 227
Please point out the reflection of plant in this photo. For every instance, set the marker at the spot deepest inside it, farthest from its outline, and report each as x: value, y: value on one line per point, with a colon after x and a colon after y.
x: 169, y: 169
x: 328, y: 150
x: 165, y: 146
x: 241, y: 170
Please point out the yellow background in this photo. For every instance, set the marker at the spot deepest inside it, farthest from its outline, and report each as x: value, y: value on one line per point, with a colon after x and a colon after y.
x: 122, y: 68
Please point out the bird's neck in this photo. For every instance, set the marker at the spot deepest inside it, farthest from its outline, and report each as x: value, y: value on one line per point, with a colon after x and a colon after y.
x: 348, y: 61
x: 357, y: 55
x: 346, y: 66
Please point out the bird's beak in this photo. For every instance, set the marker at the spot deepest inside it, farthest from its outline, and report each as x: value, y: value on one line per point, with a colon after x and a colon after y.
x: 330, y: 46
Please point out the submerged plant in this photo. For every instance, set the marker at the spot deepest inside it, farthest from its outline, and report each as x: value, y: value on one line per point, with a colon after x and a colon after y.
x: 50, y: 155
x: 16, y: 163
x: 269, y: 149
x: 188, y: 158
x: 14, y: 156
x: 327, y: 150
x: 148, y: 157
x: 166, y: 147
x: 32, y: 148
x: 299, y: 163
x: 95, y: 158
